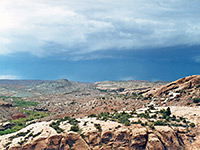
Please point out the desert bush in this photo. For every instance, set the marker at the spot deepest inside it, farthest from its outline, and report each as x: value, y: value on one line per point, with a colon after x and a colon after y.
x: 160, y: 123
x: 55, y: 125
x: 167, y: 118
x: 92, y: 115
x: 85, y: 123
x: 74, y: 128
x: 73, y: 121
x: 127, y: 123
x: 139, y: 121
x: 192, y: 125
x: 154, y: 116
x: 82, y: 135
x: 173, y: 118
x: 168, y: 111
x: 98, y: 127
x: 196, y: 100
x: 151, y: 107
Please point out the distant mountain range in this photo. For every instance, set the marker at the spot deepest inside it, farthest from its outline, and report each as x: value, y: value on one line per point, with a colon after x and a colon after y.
x: 21, y: 82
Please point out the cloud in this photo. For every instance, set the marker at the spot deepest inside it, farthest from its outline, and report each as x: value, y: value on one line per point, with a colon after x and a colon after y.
x: 90, y: 57
x: 11, y: 77
x: 48, y: 27
x: 197, y: 59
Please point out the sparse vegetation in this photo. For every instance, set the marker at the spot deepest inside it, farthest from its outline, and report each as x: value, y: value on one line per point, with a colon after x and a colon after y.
x: 55, y: 125
x: 22, y: 103
x: 162, y: 118
x: 19, y: 134
x: 69, y: 120
x: 22, y: 122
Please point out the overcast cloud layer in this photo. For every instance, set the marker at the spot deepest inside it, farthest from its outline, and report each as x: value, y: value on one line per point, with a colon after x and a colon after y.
x: 96, y: 40
x: 74, y: 28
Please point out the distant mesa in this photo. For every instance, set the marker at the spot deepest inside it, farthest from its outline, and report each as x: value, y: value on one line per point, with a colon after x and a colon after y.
x: 63, y: 81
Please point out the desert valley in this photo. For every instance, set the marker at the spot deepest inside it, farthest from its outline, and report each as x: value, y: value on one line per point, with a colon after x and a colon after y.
x: 108, y: 115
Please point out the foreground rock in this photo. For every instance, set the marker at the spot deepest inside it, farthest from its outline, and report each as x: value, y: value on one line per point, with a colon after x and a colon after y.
x: 112, y: 136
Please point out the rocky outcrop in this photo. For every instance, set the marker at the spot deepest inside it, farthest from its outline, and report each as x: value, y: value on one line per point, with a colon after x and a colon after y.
x: 154, y: 143
x: 6, y: 111
x: 180, y: 92
x: 6, y: 125
x: 63, y: 142
x: 190, y: 82
x: 5, y: 104
x: 134, y: 137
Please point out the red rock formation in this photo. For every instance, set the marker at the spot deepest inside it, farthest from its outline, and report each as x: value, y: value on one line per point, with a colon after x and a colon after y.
x: 18, y: 116
x: 181, y: 84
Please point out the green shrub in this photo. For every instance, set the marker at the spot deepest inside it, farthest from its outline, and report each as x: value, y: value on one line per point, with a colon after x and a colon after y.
x: 192, y: 125
x: 167, y: 118
x: 85, y: 123
x: 74, y: 128
x: 82, y: 135
x: 196, y: 100
x: 151, y: 107
x: 92, y: 115
x: 184, y: 120
x: 127, y: 123
x: 139, y: 121
x: 56, y: 127
x: 164, y: 116
x: 73, y: 121
x: 168, y: 111
x: 154, y: 116
x: 173, y: 118
x: 160, y: 123
x: 98, y: 127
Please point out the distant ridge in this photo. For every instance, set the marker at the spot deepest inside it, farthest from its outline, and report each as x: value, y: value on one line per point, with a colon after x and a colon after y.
x: 21, y: 82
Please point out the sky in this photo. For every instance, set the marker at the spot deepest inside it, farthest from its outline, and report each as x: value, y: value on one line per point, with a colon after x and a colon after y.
x: 97, y: 40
